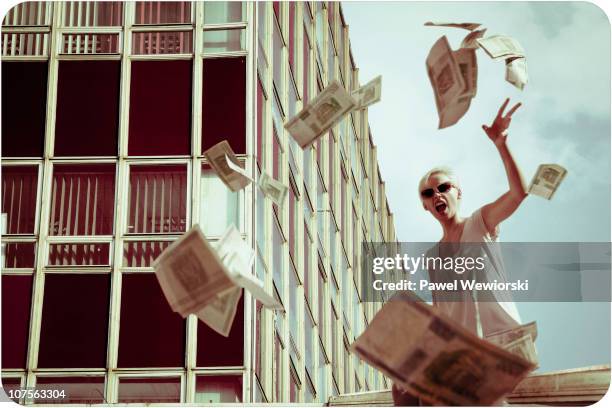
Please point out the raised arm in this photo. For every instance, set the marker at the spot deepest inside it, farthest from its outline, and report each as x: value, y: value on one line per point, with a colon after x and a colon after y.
x: 502, y: 208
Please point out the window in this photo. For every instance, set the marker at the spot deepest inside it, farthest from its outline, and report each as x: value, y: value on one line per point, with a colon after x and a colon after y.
x: 141, y: 254
x: 292, y: 35
x: 331, y: 71
x: 78, y: 390
x: 19, y: 191
x: 82, y: 199
x: 150, y: 333
x: 163, y: 12
x: 24, y: 104
x: 19, y: 255
x: 149, y: 390
x: 261, y: 124
x: 223, y: 98
x: 93, y: 14
x: 306, y: 50
x: 277, y: 56
x: 210, y: 342
x: 218, y: 389
x: 221, y: 12
x: 74, y: 323
x: 219, y: 206
x: 16, y: 300
x: 86, y: 122
x: 160, y: 110
x: 277, y: 258
x: 157, y: 199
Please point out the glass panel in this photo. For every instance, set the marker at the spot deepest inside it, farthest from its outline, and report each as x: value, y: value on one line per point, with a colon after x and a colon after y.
x: 163, y: 12
x: 16, y: 299
x: 74, y: 321
x: 220, y: 207
x: 162, y: 42
x: 220, y: 12
x: 24, y: 106
x: 258, y: 338
x: 261, y: 125
x: 150, y: 333
x: 140, y: 254
x: 19, y: 186
x: 77, y: 390
x: 158, y: 199
x: 277, y: 62
x: 218, y: 389
x: 214, y: 350
x: 260, y: 221
x: 224, y: 40
x: 160, y: 110
x: 86, y: 121
x: 11, y: 384
x: 22, y: 44
x: 90, y: 44
x: 19, y: 255
x: 93, y: 14
x: 277, y: 258
x: 79, y: 254
x: 224, y: 95
x: 331, y: 71
x: 149, y: 390
x: 322, y: 377
x: 308, y: 337
x: 28, y: 14
x: 292, y: 35
x: 82, y: 199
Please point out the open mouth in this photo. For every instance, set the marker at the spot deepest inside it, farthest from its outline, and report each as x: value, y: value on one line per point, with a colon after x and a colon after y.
x: 440, y: 207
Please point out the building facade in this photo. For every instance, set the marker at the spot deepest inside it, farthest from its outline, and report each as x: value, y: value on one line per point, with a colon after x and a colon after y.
x: 107, y: 108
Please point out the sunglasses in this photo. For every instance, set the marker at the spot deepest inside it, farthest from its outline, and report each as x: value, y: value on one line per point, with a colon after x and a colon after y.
x: 442, y: 188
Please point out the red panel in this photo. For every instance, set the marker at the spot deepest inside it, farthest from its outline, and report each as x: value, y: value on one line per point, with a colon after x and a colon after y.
x: 83, y: 199
x: 158, y: 199
x: 24, y: 103
x: 160, y: 108
x: 74, y: 324
x: 223, y: 103
x: 16, y: 300
x: 216, y: 350
x: 87, y: 116
x: 77, y: 390
x: 149, y: 390
x: 19, y: 187
x: 227, y: 387
x: 151, y: 334
x: 163, y: 12
x: 19, y: 255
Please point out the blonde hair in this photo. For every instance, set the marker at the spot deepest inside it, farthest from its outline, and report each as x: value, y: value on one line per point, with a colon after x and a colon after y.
x: 447, y: 171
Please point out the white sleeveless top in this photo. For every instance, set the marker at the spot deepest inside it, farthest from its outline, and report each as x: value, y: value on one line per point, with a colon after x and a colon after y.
x: 483, y: 317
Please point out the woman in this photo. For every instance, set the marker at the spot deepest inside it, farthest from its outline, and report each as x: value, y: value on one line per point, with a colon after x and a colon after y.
x: 441, y: 196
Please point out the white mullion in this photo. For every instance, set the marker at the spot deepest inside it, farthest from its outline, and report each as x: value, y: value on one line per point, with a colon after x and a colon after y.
x: 196, y: 174
x: 44, y: 189
x: 249, y: 193
x: 121, y: 207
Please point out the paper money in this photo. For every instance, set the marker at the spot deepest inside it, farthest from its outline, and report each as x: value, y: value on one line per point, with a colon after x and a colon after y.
x: 518, y: 340
x: 546, y: 180
x: 516, y: 72
x: 320, y: 114
x: 432, y: 357
x: 224, y: 162
x: 465, y: 26
x: 470, y: 40
x: 190, y: 273
x: 238, y: 258
x: 466, y: 59
x: 501, y: 46
x: 447, y: 79
x: 368, y: 94
x: 220, y: 313
x: 274, y: 189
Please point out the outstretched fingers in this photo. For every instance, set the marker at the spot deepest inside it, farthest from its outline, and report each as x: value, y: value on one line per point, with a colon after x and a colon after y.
x: 511, y: 111
x: 501, y: 110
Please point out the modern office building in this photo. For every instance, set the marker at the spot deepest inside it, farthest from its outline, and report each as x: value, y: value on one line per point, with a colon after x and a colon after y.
x: 107, y: 108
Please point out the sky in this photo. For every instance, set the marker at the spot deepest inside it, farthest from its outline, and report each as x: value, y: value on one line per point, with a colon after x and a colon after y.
x: 565, y: 119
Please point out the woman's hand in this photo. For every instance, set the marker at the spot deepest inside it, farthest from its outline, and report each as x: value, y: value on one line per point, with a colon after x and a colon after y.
x: 498, y: 131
